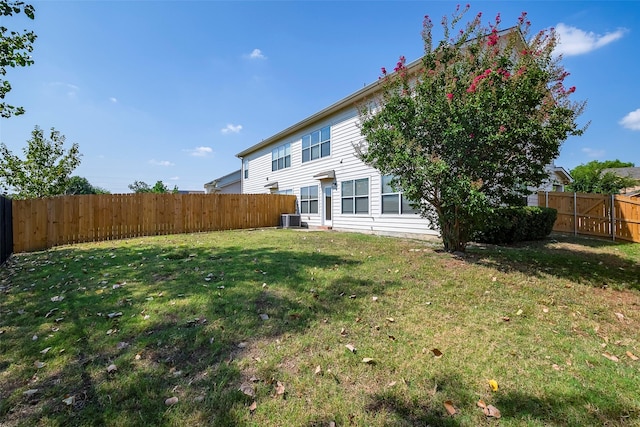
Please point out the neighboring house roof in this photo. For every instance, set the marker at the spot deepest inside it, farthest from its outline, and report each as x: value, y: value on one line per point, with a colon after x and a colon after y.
x: 348, y: 101
x: 625, y: 172
x: 223, y: 181
x: 562, y: 174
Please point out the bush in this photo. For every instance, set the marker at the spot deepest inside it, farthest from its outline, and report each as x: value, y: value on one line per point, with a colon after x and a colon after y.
x: 516, y: 224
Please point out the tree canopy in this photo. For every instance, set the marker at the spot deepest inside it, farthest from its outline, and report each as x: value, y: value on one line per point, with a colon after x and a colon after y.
x: 159, y: 187
x: 15, y: 49
x: 44, y: 171
x: 592, y: 178
x: 81, y: 185
x: 472, y: 123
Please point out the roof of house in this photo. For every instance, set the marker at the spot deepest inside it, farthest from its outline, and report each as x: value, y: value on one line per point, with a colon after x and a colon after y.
x: 625, y: 172
x: 348, y: 101
x: 227, y: 179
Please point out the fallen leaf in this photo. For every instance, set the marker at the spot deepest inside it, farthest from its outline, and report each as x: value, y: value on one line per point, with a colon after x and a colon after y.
x: 620, y: 316
x: 351, y: 348
x: 253, y: 406
x: 57, y: 298
x: 451, y: 410
x: 494, y: 385
x: 374, y: 298
x: 391, y: 319
x: 242, y: 344
x: 368, y: 361
x: 318, y: 370
x: 122, y: 345
x: 436, y: 352
x: 38, y: 364
x: 69, y: 400
x: 519, y: 313
x: 506, y: 318
x: 555, y: 366
x: 45, y: 351
x: 632, y: 356
x: 112, y: 368
x: 279, y: 388
x: 491, y: 411
x: 171, y: 401
x: 481, y: 404
x: 30, y: 392
x: 343, y: 332
x: 610, y: 356
x: 112, y: 315
x: 264, y: 316
x: 247, y: 389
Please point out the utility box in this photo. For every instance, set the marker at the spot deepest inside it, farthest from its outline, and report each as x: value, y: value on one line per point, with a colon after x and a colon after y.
x: 290, y: 221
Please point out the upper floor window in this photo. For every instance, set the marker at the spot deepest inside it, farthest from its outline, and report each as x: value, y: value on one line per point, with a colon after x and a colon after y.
x: 316, y: 144
x: 355, y: 196
x: 245, y: 166
x: 394, y: 202
x: 281, y: 157
x: 309, y: 200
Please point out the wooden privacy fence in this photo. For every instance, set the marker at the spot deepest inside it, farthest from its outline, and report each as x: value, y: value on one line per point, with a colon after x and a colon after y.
x: 6, y: 229
x: 612, y: 216
x: 43, y: 223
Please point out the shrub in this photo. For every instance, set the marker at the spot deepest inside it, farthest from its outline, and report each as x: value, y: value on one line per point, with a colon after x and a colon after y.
x: 516, y: 224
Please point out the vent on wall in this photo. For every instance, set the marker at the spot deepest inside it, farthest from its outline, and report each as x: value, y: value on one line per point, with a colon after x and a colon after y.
x: 289, y: 220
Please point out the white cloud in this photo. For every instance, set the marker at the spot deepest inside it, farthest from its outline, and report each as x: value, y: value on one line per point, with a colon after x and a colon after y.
x: 631, y: 120
x: 161, y: 162
x: 174, y: 178
x: 590, y: 152
x: 231, y: 128
x: 256, y: 54
x: 200, y: 151
x: 71, y: 89
x: 114, y: 100
x: 574, y: 41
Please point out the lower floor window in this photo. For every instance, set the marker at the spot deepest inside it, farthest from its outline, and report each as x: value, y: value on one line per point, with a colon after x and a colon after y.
x: 355, y: 196
x: 309, y: 200
x: 394, y: 202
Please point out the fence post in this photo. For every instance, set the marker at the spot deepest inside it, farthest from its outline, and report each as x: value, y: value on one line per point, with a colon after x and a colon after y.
x: 546, y: 199
x: 575, y: 214
x: 613, y: 217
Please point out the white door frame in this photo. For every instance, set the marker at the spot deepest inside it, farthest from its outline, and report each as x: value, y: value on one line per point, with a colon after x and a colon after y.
x: 327, y: 209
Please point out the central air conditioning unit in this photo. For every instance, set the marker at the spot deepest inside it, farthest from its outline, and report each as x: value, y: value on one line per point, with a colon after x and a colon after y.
x: 290, y: 221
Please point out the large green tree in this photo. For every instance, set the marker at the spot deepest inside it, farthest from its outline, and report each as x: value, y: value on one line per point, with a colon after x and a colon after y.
x: 471, y: 124
x: 44, y: 171
x: 591, y: 178
x: 15, y: 49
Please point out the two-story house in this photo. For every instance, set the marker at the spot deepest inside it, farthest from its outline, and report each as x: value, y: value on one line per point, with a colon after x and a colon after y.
x: 315, y: 160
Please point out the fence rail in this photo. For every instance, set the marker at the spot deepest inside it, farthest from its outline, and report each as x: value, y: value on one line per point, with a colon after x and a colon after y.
x: 43, y: 223
x: 617, y: 217
x: 6, y: 229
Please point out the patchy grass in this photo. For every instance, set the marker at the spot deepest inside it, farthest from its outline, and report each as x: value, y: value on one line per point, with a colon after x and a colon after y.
x: 222, y: 320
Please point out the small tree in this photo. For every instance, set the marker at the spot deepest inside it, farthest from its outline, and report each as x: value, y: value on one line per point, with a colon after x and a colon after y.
x: 591, y: 178
x: 15, y: 48
x: 472, y: 124
x: 45, y: 169
x: 159, y: 187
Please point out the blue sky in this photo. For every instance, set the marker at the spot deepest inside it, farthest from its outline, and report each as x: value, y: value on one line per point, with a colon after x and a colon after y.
x: 172, y: 90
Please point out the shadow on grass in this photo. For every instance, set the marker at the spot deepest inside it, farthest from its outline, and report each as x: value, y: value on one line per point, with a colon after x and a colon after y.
x: 172, y: 320
x: 564, y: 257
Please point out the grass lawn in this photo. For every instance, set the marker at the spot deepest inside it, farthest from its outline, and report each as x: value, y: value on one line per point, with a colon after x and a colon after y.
x: 252, y: 328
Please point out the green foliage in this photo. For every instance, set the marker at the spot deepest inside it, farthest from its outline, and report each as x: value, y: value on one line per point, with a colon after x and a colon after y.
x: 516, y: 224
x: 15, y: 49
x: 81, y: 185
x: 159, y: 187
x: 472, y: 124
x: 589, y: 177
x: 45, y: 170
